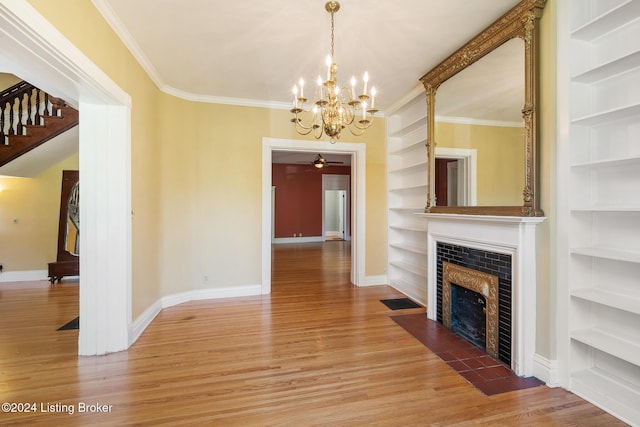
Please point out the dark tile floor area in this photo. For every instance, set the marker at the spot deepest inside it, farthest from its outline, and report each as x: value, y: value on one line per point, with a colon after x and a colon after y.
x: 489, y: 375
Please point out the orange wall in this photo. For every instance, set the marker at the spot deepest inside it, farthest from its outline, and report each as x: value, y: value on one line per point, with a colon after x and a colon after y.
x: 298, y: 201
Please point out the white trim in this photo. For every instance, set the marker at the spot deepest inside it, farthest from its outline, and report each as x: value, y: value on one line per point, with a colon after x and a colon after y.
x: 140, y: 324
x: 380, y: 279
x: 358, y: 199
x: 36, y: 51
x: 412, y: 296
x: 285, y: 240
x: 137, y: 327
x: 212, y: 293
x: 23, y: 276
x: 546, y: 370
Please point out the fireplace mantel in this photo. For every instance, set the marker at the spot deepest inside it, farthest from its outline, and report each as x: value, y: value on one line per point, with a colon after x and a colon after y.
x: 515, y: 236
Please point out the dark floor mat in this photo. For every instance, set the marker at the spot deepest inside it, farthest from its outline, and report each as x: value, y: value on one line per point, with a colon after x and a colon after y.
x: 399, y: 303
x: 74, y: 324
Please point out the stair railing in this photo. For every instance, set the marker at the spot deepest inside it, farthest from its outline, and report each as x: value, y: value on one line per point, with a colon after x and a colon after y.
x: 24, y: 104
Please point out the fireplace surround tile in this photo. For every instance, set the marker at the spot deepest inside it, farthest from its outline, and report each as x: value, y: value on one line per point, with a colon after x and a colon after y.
x: 489, y: 375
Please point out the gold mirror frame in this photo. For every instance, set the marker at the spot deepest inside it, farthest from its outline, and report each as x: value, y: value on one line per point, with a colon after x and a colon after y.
x: 521, y: 21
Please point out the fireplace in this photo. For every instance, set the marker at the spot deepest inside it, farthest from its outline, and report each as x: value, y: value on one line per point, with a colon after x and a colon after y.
x: 501, y: 246
x: 485, y: 273
x: 470, y: 305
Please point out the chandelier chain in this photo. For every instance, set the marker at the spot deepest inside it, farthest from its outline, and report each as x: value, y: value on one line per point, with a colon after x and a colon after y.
x: 332, y: 12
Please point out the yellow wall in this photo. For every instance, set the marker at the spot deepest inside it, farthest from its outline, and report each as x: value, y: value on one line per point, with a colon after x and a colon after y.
x: 500, y: 162
x: 196, y: 174
x: 29, y: 215
x: 8, y: 80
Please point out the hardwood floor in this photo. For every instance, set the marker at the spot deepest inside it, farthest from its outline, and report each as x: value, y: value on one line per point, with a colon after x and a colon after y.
x: 317, y: 351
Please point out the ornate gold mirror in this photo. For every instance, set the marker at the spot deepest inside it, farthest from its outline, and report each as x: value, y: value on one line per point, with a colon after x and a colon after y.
x: 482, y: 138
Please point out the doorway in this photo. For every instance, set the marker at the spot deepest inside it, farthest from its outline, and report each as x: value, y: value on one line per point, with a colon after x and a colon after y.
x: 455, y: 176
x: 335, y: 215
x: 357, y: 151
x: 104, y: 146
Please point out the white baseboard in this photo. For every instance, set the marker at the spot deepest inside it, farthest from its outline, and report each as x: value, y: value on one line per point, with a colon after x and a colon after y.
x: 310, y: 239
x: 23, y: 276
x: 375, y: 280
x: 411, y: 296
x: 546, y: 370
x: 137, y: 327
x: 140, y: 324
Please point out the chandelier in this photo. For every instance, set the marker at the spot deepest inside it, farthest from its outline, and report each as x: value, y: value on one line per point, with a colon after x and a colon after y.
x: 334, y: 107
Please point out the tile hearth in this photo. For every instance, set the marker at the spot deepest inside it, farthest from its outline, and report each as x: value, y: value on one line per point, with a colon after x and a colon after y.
x: 486, y: 373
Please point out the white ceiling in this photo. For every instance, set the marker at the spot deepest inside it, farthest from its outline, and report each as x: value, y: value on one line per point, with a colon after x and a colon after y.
x: 252, y: 52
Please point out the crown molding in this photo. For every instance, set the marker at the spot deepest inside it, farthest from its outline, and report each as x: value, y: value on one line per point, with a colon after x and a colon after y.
x: 125, y: 36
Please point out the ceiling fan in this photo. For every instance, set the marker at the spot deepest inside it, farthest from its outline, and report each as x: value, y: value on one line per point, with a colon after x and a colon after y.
x: 320, y: 162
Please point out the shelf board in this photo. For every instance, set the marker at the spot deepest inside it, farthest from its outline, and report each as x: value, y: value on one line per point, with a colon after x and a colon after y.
x: 402, y: 131
x: 604, y: 117
x: 606, y: 209
x: 611, y: 68
x: 401, y: 150
x: 613, y: 394
x: 621, y: 161
x: 408, y: 228
x: 411, y: 268
x: 409, y: 248
x: 411, y: 187
x: 616, y: 17
x: 413, y: 167
x: 620, y: 301
x: 623, y: 349
x: 608, y: 253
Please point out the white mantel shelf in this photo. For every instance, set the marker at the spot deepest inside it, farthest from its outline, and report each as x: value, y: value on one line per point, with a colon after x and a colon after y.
x: 511, y: 235
x: 484, y: 218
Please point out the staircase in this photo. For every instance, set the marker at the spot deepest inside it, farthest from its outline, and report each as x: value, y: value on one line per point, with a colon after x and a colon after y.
x: 30, y: 117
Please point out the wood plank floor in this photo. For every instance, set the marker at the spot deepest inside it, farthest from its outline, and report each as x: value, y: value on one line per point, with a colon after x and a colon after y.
x: 317, y: 351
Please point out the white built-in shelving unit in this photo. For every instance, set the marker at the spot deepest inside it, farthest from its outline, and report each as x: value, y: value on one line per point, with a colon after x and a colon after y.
x: 603, y: 218
x: 407, y: 195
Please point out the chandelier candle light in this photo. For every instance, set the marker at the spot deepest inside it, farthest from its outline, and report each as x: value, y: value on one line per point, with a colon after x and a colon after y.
x: 334, y: 107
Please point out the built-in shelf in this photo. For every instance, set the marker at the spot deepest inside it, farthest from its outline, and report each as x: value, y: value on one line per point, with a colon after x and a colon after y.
x: 608, y: 253
x: 607, y: 22
x: 611, y: 68
x: 608, y: 116
x: 407, y: 180
x: 606, y: 209
x: 414, y: 125
x: 623, y: 349
x: 412, y: 167
x: 616, y: 394
x: 626, y: 302
x: 404, y: 149
x: 603, y: 223
x: 410, y: 187
x: 408, y: 228
x: 622, y: 161
x: 412, y: 268
x: 409, y: 248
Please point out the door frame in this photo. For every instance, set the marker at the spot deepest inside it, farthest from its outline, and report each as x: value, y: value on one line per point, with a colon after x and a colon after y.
x: 357, y: 150
x: 467, y: 174
x: 35, y: 50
